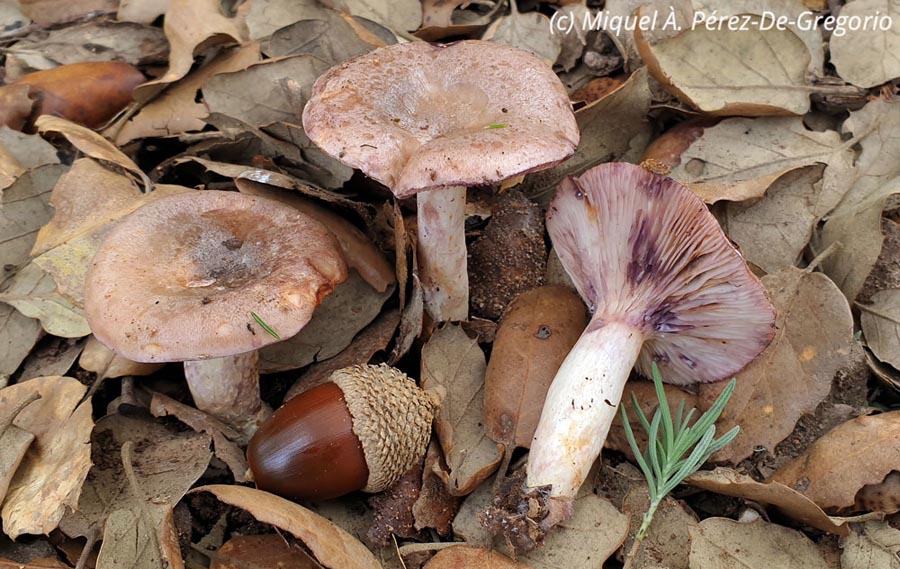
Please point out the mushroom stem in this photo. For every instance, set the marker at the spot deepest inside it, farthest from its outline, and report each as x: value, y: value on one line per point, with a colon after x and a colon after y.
x: 580, y: 407
x: 228, y: 389
x: 442, y: 253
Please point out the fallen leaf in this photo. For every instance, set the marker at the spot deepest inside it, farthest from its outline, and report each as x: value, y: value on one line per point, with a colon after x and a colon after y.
x: 33, y: 293
x: 14, y: 442
x: 266, y: 16
x: 874, y: 545
x: 509, y: 256
x: 573, y: 43
x: 773, y: 232
x: 371, y: 340
x: 856, y: 222
x: 668, y: 536
x: 333, y: 547
x: 51, y: 475
x: 52, y: 356
x: 794, y: 374
x: 20, y: 153
x: 24, y: 208
x: 401, y: 15
x: 329, y: 37
x: 596, y: 89
x: 265, y: 93
x: 676, y: 15
x: 467, y: 523
x: 176, y: 109
x: 866, y: 55
x: 12, y: 19
x: 142, y: 470
x: 739, y: 159
x: 719, y: 543
x: 535, y: 335
x: 269, y: 551
x: 726, y: 72
x: 50, y: 12
x: 454, y: 362
x: 880, y: 323
x: 791, y: 502
x: 439, y: 13
x: 141, y: 11
x: 471, y: 558
x: 18, y: 335
x: 106, y: 364
x: 886, y: 273
x: 412, y: 306
x: 850, y: 456
x: 191, y: 26
x: 531, y: 32
x: 351, y: 307
x: 608, y: 128
x: 435, y: 507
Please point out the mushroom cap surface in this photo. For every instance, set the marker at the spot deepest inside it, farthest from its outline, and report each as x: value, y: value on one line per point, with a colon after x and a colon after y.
x: 420, y: 116
x: 179, y: 278
x: 643, y: 249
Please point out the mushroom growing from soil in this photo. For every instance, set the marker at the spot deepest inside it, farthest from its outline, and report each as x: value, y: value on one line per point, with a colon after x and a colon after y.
x: 664, y: 285
x: 208, y: 278
x: 431, y: 120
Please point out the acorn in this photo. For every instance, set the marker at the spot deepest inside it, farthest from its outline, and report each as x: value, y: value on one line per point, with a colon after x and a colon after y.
x: 362, y: 430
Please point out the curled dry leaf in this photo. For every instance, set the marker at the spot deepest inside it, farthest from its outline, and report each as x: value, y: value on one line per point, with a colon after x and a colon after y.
x: 856, y: 222
x: 794, y: 374
x: 719, y: 543
x: 51, y: 475
x: 331, y: 546
x: 536, y: 334
x: 351, y: 307
x: 835, y: 467
x: 453, y: 362
x: 727, y: 72
x: 880, y: 323
x: 873, y: 545
x: 740, y: 158
x: 609, y: 128
x: 471, y: 558
x: 867, y: 57
x: 269, y: 551
x: 107, y: 364
x: 790, y: 502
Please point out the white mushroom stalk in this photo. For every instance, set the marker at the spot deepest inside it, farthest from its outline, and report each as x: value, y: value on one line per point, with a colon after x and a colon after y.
x: 665, y: 285
x: 228, y: 389
x: 442, y: 252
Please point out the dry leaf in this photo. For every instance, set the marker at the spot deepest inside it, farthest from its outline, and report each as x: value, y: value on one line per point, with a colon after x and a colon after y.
x: 49, y: 12
x: 269, y: 551
x: 266, y: 16
x: 536, y: 334
x: 719, y: 543
x: 21, y: 152
x: 856, y: 222
x: 740, y: 158
x: 351, y: 307
x: 530, y: 31
x: 677, y: 15
x: 791, y: 502
x: 264, y: 93
x: 668, y: 536
x: 52, y: 356
x: 453, y: 362
x: 439, y: 13
x: 176, y: 109
x: 728, y: 72
x: 867, y: 56
x: 14, y: 442
x: 460, y: 556
x: 609, y: 128
x: 18, y: 335
x: 24, y: 208
x: 794, y: 374
x: 435, y: 507
x: 50, y: 477
x: 12, y: 20
x: 330, y: 37
x: 400, y: 15
x: 880, y: 322
x: 141, y: 11
x: 330, y: 545
x: 107, y: 364
x: 874, y: 545
x: 852, y: 455
x: 33, y: 293
x: 192, y: 26
x: 371, y: 340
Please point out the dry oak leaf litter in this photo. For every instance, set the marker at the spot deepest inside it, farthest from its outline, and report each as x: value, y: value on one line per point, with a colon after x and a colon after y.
x: 873, y: 545
x: 880, y: 320
x: 794, y: 374
x: 834, y: 468
x: 331, y: 546
x: 33, y: 293
x: 50, y: 477
x: 720, y: 543
x: 867, y: 57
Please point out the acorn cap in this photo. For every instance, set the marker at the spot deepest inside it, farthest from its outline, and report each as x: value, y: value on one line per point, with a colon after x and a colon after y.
x: 418, y: 116
x: 643, y: 249
x: 391, y: 417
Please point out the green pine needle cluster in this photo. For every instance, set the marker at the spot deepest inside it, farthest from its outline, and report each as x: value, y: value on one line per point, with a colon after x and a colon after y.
x: 676, y: 448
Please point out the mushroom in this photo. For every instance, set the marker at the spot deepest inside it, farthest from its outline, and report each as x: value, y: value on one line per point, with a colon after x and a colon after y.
x: 208, y: 278
x: 434, y: 119
x: 664, y: 285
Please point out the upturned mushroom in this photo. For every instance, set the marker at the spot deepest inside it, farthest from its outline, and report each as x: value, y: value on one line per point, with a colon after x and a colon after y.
x: 430, y: 120
x: 208, y: 278
x: 664, y: 285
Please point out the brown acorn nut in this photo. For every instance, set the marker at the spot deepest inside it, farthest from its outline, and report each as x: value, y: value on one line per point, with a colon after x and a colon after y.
x: 361, y: 431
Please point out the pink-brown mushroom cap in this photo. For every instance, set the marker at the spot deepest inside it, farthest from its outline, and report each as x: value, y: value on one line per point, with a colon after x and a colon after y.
x: 178, y: 279
x: 418, y: 116
x: 643, y: 249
